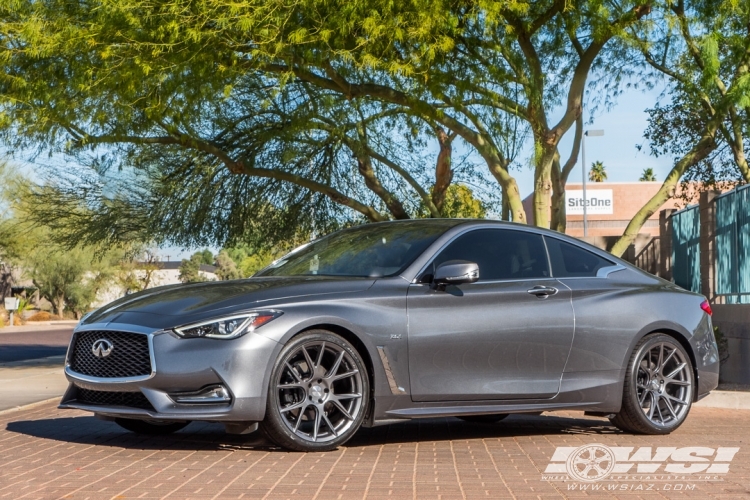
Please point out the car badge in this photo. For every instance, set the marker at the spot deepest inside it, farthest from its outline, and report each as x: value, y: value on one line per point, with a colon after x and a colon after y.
x: 102, y: 348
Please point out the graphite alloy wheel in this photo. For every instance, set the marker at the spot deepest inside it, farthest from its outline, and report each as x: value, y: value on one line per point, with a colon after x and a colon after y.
x: 658, y: 389
x: 318, y: 395
x: 484, y: 419
x: 150, y: 427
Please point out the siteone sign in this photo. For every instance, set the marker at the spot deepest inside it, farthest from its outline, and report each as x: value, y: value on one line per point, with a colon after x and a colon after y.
x: 598, y: 202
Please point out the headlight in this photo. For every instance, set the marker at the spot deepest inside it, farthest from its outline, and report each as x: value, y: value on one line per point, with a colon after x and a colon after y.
x: 229, y: 327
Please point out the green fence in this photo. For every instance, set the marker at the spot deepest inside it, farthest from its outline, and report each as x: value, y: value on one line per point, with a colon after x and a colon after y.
x: 733, y: 246
x: 686, y: 270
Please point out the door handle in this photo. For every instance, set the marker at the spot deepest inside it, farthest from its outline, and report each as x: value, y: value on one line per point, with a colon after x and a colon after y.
x: 543, y: 291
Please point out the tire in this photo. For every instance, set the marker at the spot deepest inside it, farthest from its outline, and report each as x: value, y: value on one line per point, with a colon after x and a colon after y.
x: 484, y: 419
x: 150, y: 427
x: 658, y: 389
x: 318, y: 394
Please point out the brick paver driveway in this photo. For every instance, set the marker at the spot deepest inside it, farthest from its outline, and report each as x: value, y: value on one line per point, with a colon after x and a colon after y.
x: 47, y: 453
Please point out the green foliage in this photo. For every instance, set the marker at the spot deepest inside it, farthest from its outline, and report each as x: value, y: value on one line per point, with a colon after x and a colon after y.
x: 204, y: 256
x: 598, y: 172
x: 648, y: 175
x: 460, y: 203
x: 226, y: 268
x: 190, y: 270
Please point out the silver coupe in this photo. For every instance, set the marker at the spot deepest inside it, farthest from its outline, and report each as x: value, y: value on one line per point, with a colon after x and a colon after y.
x: 400, y: 320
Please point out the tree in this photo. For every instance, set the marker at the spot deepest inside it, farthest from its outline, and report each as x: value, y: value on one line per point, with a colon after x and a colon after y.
x: 699, y: 48
x: 598, y: 173
x: 460, y: 203
x: 190, y: 270
x: 226, y: 268
x: 648, y: 175
x: 193, y: 97
x: 205, y: 256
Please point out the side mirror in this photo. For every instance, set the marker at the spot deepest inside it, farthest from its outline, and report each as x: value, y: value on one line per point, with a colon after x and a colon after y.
x: 456, y: 272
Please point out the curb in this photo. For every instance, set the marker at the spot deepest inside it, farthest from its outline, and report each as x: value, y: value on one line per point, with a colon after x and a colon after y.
x: 39, y: 326
x: 730, y: 400
x: 28, y: 406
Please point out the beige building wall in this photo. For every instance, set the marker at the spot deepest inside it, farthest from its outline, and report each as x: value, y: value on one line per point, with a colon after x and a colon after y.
x: 627, y: 199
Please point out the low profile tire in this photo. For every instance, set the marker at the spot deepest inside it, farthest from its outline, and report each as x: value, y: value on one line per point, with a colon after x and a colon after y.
x: 658, y: 390
x: 318, y: 394
x: 150, y: 427
x: 484, y: 419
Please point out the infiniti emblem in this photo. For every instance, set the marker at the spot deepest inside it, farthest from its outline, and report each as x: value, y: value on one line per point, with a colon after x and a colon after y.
x: 102, y: 348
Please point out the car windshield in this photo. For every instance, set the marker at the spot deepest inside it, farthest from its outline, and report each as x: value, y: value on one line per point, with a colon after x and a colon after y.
x: 371, y: 250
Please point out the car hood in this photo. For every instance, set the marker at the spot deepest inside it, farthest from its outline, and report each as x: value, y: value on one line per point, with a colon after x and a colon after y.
x: 173, y: 305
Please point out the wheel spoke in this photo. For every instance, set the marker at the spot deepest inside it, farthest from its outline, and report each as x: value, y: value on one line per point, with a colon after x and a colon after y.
x: 676, y: 370
x: 651, y: 409
x: 676, y: 382
x: 666, y: 360
x: 329, y: 424
x: 301, y: 404
x: 293, y: 385
x: 316, y: 425
x: 661, y: 358
x: 320, y: 354
x: 348, y: 396
x: 334, y: 378
x: 669, y: 406
x: 336, y: 365
x: 341, y: 408
x: 643, y: 397
x: 308, y: 360
x: 676, y: 400
x: 293, y: 372
x: 299, y: 418
x: 658, y: 408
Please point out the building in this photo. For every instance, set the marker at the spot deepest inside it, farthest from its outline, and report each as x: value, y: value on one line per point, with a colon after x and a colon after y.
x: 611, y: 205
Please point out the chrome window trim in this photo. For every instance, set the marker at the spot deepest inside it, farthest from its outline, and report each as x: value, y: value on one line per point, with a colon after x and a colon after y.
x: 116, y: 380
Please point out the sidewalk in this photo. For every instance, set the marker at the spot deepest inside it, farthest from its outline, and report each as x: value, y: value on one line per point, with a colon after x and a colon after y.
x: 37, y: 326
x: 31, y: 381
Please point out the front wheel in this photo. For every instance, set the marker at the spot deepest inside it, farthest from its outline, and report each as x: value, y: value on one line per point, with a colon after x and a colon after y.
x: 658, y: 390
x: 318, y: 395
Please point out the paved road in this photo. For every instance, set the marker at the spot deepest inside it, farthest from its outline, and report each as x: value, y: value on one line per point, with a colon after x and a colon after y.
x: 31, y: 365
x: 21, y: 346
x: 51, y: 453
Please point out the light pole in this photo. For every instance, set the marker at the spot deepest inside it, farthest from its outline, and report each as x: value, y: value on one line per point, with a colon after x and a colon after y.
x: 592, y: 133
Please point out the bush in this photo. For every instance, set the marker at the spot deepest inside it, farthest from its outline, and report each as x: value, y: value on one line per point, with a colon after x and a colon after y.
x: 40, y: 316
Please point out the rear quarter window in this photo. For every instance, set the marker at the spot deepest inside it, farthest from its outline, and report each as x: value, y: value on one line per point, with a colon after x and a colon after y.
x: 572, y: 261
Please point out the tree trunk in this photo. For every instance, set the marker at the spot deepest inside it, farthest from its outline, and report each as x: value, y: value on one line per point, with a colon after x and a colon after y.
x: 695, y: 155
x: 59, y: 304
x: 443, y: 171
x: 543, y: 187
x: 557, y: 205
x: 373, y: 184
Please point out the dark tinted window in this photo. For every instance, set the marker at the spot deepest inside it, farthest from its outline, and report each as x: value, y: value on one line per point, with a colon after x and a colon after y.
x: 501, y: 254
x: 370, y: 250
x: 570, y: 261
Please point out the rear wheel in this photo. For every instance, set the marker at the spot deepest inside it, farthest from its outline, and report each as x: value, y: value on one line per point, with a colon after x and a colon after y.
x: 318, y: 396
x: 484, y: 419
x: 658, y: 390
x: 150, y: 427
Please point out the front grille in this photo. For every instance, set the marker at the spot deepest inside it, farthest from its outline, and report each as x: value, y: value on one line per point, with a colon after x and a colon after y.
x: 106, y: 398
x: 130, y: 355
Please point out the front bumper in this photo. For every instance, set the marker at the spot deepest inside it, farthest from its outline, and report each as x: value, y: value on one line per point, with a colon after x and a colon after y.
x: 242, y: 366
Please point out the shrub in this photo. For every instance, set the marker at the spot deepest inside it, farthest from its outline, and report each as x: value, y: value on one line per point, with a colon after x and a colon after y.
x: 40, y: 316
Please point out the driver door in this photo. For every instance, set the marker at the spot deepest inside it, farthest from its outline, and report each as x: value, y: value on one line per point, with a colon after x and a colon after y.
x: 506, y: 336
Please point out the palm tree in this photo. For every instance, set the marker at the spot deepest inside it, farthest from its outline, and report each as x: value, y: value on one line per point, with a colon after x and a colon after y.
x: 597, y: 172
x: 648, y: 175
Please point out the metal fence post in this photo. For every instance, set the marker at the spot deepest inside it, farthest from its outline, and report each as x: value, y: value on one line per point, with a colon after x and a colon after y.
x: 707, y: 209
x: 665, y: 243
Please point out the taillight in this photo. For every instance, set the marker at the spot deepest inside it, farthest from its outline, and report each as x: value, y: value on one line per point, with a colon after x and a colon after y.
x: 706, y: 307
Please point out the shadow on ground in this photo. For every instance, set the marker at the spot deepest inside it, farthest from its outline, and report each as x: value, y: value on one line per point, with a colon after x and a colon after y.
x: 206, y: 436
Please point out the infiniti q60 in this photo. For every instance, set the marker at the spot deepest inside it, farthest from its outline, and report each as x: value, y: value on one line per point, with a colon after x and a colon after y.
x: 400, y: 320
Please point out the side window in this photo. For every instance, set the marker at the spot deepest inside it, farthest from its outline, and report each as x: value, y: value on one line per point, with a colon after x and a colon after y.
x: 571, y: 261
x: 501, y: 254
